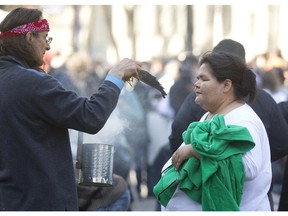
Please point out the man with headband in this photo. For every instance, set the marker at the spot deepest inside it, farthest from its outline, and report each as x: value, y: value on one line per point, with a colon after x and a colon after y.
x: 36, y: 167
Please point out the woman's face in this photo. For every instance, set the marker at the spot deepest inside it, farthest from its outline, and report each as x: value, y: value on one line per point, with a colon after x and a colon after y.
x: 209, y: 92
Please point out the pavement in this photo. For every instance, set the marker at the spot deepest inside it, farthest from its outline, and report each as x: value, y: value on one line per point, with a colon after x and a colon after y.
x: 144, y: 204
x: 150, y: 203
x: 276, y: 198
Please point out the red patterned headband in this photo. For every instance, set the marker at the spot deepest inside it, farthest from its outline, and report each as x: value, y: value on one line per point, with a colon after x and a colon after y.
x: 40, y: 25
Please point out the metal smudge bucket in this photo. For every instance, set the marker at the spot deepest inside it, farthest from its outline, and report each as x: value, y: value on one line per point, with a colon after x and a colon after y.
x: 97, y: 164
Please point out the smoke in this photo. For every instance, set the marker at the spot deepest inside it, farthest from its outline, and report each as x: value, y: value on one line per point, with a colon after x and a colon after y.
x: 113, y: 128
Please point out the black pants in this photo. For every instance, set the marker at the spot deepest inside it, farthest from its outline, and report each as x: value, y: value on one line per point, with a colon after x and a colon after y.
x: 283, y: 202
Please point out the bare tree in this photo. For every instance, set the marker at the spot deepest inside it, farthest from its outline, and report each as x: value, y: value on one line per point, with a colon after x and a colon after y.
x: 108, y: 16
x: 76, y: 28
x: 189, y: 27
x: 131, y: 33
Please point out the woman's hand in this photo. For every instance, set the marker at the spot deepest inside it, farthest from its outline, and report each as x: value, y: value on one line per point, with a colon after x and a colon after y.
x: 183, y: 153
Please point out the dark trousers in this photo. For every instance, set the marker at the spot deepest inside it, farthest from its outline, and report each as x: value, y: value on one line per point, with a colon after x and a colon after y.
x: 283, y: 202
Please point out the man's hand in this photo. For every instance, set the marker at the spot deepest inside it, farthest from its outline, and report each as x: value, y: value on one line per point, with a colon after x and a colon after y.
x: 125, y: 69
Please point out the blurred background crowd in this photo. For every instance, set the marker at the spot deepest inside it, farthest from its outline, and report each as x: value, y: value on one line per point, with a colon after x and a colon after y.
x: 168, y: 40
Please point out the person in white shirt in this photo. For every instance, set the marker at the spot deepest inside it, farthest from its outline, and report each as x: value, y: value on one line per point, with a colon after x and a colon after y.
x: 223, y: 84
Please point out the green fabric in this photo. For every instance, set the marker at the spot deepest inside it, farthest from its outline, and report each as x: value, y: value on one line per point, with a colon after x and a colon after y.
x: 217, y: 179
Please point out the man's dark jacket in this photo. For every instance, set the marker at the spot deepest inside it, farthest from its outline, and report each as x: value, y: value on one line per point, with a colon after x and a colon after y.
x: 36, y: 167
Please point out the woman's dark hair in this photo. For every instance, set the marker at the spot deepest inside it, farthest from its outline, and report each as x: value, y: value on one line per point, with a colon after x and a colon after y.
x: 227, y: 66
x: 17, y: 45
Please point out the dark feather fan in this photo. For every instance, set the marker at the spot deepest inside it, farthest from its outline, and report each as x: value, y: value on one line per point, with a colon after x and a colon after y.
x: 150, y: 80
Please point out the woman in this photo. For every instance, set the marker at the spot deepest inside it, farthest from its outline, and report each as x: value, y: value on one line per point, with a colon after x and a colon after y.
x: 230, y: 129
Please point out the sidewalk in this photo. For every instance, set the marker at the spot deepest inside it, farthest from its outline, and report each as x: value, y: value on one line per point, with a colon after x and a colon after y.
x: 150, y: 204
x: 147, y: 204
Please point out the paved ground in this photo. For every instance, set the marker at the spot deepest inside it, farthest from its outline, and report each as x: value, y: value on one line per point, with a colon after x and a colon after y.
x: 150, y: 204
x: 147, y: 204
x: 276, y: 198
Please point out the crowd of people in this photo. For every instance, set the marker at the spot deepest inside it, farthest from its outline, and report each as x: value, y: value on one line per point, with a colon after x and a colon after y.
x: 48, y: 100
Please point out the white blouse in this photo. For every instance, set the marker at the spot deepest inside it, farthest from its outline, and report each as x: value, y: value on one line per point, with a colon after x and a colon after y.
x: 257, y: 165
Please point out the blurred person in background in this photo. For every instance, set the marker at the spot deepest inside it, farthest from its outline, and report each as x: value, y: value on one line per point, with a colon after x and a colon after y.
x: 283, y: 201
x: 184, y: 83
x: 181, y: 88
x: 275, y: 60
x: 36, y: 166
x: 282, y: 168
x: 96, y: 74
x: 132, y: 111
x: 58, y: 69
x: 272, y: 83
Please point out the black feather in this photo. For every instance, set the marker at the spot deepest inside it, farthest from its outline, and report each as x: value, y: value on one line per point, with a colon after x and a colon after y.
x: 151, y: 80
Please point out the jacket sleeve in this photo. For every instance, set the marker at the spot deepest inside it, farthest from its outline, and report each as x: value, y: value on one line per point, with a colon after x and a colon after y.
x: 275, y: 124
x: 66, y: 109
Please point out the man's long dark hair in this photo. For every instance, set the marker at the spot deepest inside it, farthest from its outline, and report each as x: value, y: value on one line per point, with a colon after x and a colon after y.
x: 17, y: 46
